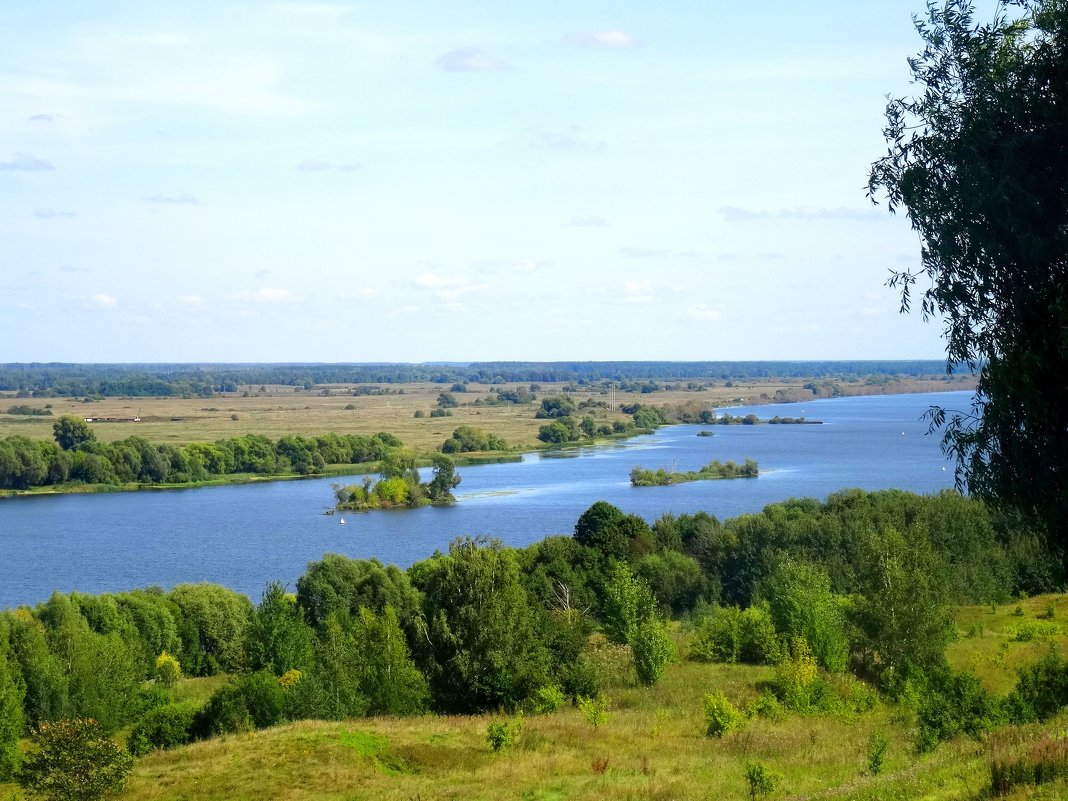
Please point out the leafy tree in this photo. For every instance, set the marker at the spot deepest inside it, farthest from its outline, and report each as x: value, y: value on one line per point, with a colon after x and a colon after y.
x: 42, y: 673
x: 483, y: 648
x: 338, y: 584
x: 445, y: 480
x: 278, y: 638
x: 979, y: 161
x: 11, y: 719
x: 213, y: 628
x: 600, y: 528
x: 70, y: 432
x: 902, y: 616
x: 801, y: 603
x: 557, y: 406
x: 74, y: 760
x: 388, y: 677
x: 628, y: 602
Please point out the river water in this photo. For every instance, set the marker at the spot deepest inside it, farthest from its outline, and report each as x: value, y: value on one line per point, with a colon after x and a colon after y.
x: 242, y: 536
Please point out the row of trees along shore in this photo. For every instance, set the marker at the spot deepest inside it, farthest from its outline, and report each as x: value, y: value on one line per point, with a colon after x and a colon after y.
x: 850, y: 598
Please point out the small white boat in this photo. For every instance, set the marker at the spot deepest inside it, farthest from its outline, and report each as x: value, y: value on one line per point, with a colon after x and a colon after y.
x: 341, y: 521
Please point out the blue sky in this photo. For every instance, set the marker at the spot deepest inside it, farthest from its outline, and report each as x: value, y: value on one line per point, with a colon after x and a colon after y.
x: 410, y: 181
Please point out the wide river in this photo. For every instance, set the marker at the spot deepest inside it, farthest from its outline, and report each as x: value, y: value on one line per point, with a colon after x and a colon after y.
x: 245, y: 535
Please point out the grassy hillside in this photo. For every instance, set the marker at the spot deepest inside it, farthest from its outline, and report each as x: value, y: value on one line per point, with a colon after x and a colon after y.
x: 652, y: 746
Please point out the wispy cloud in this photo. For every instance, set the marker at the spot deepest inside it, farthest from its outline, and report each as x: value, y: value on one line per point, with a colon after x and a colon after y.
x: 104, y: 301
x: 740, y: 214
x: 26, y: 162
x: 178, y: 200
x: 645, y: 253
x: 70, y: 268
x: 313, y: 165
x: 269, y: 294
x: 638, y: 291
x: 590, y: 221
x: 702, y: 312
x: 469, y: 59
x: 52, y: 214
x: 450, y: 288
x: 571, y: 140
x: 191, y: 300
x: 600, y: 39
x: 45, y: 118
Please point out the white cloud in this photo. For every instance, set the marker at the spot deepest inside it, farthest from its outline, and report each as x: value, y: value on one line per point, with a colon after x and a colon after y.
x: 702, y: 312
x: 104, y: 301
x: 740, y: 214
x: 571, y: 140
x: 601, y: 39
x: 311, y: 165
x: 269, y: 294
x: 469, y: 59
x: 191, y: 300
x: 638, y: 291
x: 26, y: 162
x: 176, y: 200
x: 644, y: 253
x: 449, y: 288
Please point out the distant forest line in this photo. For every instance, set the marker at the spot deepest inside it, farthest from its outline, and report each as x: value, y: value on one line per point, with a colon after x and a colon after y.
x: 166, y: 380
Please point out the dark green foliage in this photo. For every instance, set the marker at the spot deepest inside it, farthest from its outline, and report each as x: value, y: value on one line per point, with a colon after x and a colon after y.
x: 952, y: 704
x: 801, y: 604
x: 558, y: 573
x: 445, y: 480
x: 12, y: 692
x: 338, y: 584
x: 466, y: 439
x: 71, y: 432
x: 74, y: 760
x: 483, y: 647
x: 42, y: 674
x: 675, y: 579
x: 252, y: 701
x: 555, y: 407
x: 727, y: 634
x: 978, y: 158
x: 163, y: 727
x: 1041, y: 690
x: 601, y: 528
x: 901, y: 615
x: 213, y: 627
x: 278, y: 638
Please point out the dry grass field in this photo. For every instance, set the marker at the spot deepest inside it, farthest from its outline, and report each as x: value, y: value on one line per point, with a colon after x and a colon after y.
x: 282, y: 410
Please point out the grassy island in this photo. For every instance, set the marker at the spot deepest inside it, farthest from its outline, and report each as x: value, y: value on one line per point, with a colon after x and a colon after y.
x: 713, y: 470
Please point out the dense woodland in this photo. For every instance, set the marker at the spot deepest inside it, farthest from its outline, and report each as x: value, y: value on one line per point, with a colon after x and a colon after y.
x: 203, y: 380
x: 849, y: 599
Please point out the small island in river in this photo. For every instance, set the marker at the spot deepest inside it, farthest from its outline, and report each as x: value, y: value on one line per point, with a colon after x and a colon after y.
x: 399, y: 487
x: 713, y: 470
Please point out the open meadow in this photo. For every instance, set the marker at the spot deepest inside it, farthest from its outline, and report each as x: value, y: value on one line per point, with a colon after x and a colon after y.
x: 276, y: 410
x: 652, y: 745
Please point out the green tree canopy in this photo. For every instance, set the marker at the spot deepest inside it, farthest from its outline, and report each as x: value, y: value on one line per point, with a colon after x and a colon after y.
x: 978, y: 159
x: 71, y: 431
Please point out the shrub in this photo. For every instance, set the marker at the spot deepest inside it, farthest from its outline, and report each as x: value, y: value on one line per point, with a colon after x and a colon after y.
x: 796, y: 677
x: 1041, y: 690
x: 254, y: 701
x: 594, y: 709
x: 168, y: 670
x: 955, y: 703
x: 766, y: 705
x: 74, y: 760
x: 546, y: 699
x: 760, y: 780
x: 504, y: 733
x: 653, y: 649
x: 718, y: 637
x: 721, y: 716
x: 163, y: 727
x: 758, y: 641
x: 878, y: 745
